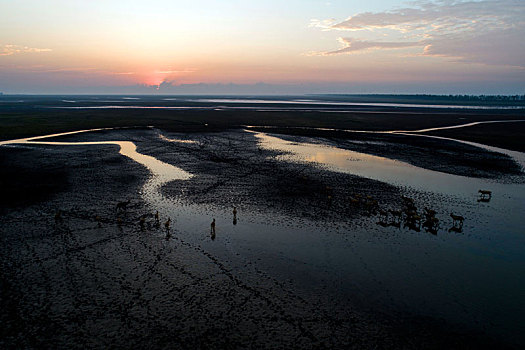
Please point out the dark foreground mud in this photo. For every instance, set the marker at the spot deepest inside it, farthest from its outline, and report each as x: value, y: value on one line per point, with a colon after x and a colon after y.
x: 92, y: 277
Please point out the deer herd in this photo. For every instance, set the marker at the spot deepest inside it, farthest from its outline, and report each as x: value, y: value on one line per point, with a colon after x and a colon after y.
x: 408, y: 215
x: 414, y: 220
x: 121, y: 207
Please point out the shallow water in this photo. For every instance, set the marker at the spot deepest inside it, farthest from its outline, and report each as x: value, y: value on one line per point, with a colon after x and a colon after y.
x: 161, y: 173
x: 477, y: 275
x: 406, y: 132
x: 475, y: 278
x: 383, y: 169
x: 129, y: 107
x: 334, y: 103
x: 461, y: 125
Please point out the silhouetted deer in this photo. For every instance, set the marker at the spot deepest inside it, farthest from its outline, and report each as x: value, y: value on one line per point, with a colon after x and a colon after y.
x: 457, y: 220
x: 407, y: 201
x: 431, y: 224
x: 123, y: 205
x: 396, y: 215
x: 429, y: 213
x: 484, y: 196
x: 353, y: 200
x: 383, y: 216
x: 372, y: 205
x: 456, y: 229
x: 413, y: 220
x: 413, y: 216
x: 98, y: 220
x: 58, y: 217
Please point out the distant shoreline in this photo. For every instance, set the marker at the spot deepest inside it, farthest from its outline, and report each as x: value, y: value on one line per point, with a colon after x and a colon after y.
x: 412, y: 99
x: 29, y: 115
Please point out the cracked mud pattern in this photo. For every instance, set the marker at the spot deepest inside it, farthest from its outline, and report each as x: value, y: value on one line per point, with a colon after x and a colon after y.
x: 93, y: 278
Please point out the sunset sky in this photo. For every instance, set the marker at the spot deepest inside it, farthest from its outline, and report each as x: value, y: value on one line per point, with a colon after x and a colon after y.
x: 58, y: 46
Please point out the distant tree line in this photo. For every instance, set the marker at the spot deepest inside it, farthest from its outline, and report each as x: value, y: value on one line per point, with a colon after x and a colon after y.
x: 488, y: 100
x: 499, y: 98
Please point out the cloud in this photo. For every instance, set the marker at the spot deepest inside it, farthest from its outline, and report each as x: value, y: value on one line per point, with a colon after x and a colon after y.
x: 441, y: 16
x: 9, y: 49
x: 351, y: 45
x: 325, y: 24
x: 487, y: 31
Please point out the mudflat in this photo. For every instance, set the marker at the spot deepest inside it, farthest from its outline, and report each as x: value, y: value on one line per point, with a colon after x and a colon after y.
x: 306, y: 262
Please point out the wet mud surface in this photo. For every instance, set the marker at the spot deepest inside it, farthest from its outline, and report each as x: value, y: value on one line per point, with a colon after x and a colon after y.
x: 93, y: 277
x: 500, y: 135
x: 233, y: 171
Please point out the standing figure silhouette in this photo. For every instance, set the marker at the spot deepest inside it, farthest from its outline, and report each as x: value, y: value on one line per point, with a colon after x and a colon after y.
x: 234, y: 215
x: 212, y: 227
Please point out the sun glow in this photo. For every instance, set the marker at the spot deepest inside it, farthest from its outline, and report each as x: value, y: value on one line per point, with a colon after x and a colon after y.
x: 126, y: 43
x: 153, y: 80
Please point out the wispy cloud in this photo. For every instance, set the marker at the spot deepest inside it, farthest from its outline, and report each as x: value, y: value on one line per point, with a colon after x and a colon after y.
x: 487, y: 31
x: 9, y: 49
x: 351, y: 45
x: 325, y: 24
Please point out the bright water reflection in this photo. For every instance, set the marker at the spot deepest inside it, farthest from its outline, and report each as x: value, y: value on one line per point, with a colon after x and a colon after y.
x: 379, y: 168
x: 335, y: 103
x: 475, y: 278
x: 161, y: 173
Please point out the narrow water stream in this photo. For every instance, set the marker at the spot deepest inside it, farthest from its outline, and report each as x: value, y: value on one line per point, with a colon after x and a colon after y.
x: 161, y: 173
x: 402, y: 132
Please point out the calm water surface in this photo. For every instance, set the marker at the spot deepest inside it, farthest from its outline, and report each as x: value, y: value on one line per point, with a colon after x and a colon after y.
x: 335, y: 103
x: 475, y: 279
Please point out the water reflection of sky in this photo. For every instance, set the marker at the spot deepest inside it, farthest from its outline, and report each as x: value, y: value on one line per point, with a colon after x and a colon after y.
x: 379, y: 168
x: 336, y: 103
x: 161, y: 172
x: 476, y: 278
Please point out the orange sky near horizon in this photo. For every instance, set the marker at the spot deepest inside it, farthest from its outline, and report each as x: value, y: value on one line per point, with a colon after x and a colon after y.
x: 120, y: 43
